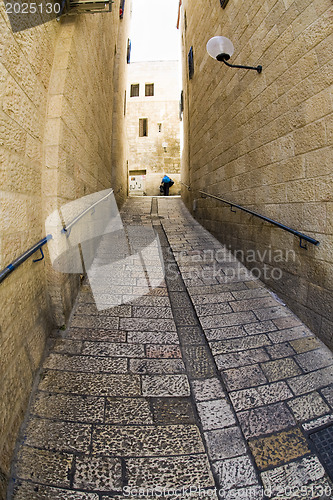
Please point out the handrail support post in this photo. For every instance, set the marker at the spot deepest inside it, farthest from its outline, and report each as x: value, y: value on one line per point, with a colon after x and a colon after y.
x: 42, y: 255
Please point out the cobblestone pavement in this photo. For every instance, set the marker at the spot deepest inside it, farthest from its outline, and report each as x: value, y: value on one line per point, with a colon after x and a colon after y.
x: 202, y: 384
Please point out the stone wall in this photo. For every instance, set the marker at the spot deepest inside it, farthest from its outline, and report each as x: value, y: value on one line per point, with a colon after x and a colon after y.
x: 264, y: 141
x: 58, y: 81
x: 159, y: 151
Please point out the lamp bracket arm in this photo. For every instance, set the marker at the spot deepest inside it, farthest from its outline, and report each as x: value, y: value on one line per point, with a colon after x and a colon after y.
x: 257, y: 68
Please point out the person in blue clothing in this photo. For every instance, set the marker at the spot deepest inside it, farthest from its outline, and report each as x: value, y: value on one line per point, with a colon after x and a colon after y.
x: 166, y: 183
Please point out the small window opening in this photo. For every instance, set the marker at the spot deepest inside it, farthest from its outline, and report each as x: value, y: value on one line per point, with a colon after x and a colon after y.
x: 149, y: 89
x: 143, y: 127
x: 135, y: 90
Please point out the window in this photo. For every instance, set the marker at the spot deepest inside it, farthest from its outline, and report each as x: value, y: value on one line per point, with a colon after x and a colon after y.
x: 190, y: 64
x: 149, y: 90
x: 143, y: 127
x: 159, y: 127
x: 135, y: 90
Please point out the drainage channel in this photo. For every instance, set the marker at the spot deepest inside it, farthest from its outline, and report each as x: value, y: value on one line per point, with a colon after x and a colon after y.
x: 206, y: 384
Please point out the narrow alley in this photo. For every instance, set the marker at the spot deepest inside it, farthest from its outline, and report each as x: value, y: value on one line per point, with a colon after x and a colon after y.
x: 203, y: 386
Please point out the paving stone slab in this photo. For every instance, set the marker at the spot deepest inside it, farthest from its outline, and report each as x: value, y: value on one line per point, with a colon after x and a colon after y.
x: 245, y: 376
x: 287, y: 322
x: 254, y: 397
x: 170, y: 472
x: 251, y: 304
x: 91, y: 310
x: 236, y: 359
x: 140, y: 291
x: 98, y: 473
x: 99, y: 384
x: 163, y: 351
x: 235, y: 472
x: 95, y: 322
x: 286, y: 479
x: 56, y: 435
x: 211, y: 309
x: 328, y: 395
x: 45, y: 467
x: 272, y: 312
x: 312, y: 360
x: 148, y: 440
x: 225, y: 443
x: 185, y: 317
x: 221, y: 288
x: 113, y: 349
x: 305, y: 344
x: 92, y: 364
x: 251, y: 294
x: 72, y: 408
x: 279, y: 448
x: 198, y: 361
x: 127, y: 411
x: 265, y: 420
x: 172, y: 410
x: 311, y: 381
x: 318, y: 422
x: 151, y: 312
x: 67, y: 346
x: 152, y: 301
x: 180, y: 299
x: 165, y: 385
x: 34, y: 491
x: 228, y: 319
x: 215, y: 414
x: 208, y: 389
x: 308, y: 406
x: 229, y: 332
x: 191, y: 335
x: 156, y: 366
x: 239, y: 344
x: 260, y: 327
x: 280, y: 369
x: 278, y: 351
x: 212, y: 298
x: 297, y: 332
x: 137, y: 324
x: 95, y: 335
x: 152, y: 337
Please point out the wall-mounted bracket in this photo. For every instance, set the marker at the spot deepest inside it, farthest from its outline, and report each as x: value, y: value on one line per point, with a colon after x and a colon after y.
x: 42, y: 256
x: 300, y: 244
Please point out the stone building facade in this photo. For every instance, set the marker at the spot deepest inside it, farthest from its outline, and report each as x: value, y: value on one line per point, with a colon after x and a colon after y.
x: 153, y: 126
x: 264, y: 141
x: 62, y: 90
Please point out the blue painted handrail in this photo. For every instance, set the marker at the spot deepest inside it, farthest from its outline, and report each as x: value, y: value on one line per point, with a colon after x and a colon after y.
x: 17, y: 262
x: 38, y: 246
x: 301, y: 236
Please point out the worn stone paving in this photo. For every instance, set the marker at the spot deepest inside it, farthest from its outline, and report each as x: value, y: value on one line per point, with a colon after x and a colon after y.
x: 186, y: 381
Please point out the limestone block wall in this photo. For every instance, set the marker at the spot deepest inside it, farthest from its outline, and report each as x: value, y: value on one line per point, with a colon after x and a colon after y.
x: 58, y: 88
x: 159, y: 151
x: 265, y: 141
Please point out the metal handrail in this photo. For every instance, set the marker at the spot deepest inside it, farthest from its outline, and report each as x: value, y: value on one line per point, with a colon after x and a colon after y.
x: 38, y: 246
x: 78, y: 217
x: 22, y: 258
x: 301, y: 236
x: 186, y: 185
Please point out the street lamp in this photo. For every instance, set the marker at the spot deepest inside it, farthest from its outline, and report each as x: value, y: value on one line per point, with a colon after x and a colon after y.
x: 221, y: 48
